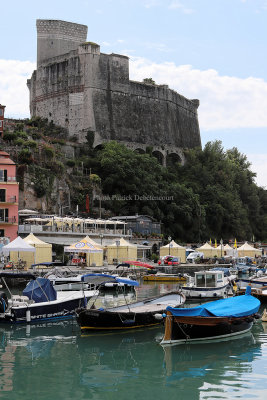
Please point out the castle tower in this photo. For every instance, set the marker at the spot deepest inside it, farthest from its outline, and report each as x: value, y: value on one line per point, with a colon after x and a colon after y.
x: 55, y: 37
x: 84, y: 91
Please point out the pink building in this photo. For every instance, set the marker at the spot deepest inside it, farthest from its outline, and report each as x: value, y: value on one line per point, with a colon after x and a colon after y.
x: 9, y: 197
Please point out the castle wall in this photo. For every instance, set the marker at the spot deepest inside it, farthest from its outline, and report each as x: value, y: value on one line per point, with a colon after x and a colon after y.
x: 87, y: 90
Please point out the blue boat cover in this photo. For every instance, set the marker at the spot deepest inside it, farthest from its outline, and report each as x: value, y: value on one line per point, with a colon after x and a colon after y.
x: 238, y: 306
x: 104, y: 278
x: 40, y: 290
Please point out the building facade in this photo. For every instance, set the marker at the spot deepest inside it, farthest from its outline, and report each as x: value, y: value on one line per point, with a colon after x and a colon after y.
x: 89, y: 92
x: 143, y: 224
x: 2, y: 115
x: 9, y: 197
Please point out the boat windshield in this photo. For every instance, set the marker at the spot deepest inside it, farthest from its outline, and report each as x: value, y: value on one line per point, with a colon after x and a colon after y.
x: 210, y: 280
x: 206, y: 280
x: 200, y: 280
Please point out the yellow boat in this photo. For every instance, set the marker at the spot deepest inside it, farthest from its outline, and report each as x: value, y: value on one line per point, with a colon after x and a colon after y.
x: 164, y: 278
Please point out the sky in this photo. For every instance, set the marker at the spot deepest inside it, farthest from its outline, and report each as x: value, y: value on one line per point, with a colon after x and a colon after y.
x: 211, y: 50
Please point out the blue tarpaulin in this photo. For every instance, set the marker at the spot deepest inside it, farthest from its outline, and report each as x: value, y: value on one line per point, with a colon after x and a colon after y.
x: 239, y: 306
x: 40, y: 290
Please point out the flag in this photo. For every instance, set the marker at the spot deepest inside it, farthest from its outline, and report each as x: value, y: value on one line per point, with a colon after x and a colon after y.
x: 210, y: 242
x: 215, y: 244
x: 87, y: 203
x: 235, y: 245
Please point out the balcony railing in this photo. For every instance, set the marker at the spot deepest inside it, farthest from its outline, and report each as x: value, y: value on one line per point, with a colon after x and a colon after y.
x: 9, y: 199
x: 7, y: 220
x: 8, y: 179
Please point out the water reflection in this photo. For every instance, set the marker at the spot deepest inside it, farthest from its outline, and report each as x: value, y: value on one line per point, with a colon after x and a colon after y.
x: 53, y: 360
x: 197, y: 368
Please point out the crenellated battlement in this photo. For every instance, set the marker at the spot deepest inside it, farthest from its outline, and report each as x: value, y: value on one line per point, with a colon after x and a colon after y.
x: 55, y: 37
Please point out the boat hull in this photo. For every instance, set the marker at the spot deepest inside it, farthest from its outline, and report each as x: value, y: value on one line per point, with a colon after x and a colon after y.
x: 258, y: 292
x: 179, y: 330
x: 198, y: 292
x: 134, y: 315
x: 105, y: 320
x: 32, y: 313
x: 164, y: 278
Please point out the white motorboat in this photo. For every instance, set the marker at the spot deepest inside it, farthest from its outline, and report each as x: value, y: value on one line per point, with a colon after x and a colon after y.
x: 208, y: 284
x: 64, y: 280
x: 39, y: 300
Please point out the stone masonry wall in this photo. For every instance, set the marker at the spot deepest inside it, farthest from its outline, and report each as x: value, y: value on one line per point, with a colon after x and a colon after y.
x: 84, y: 89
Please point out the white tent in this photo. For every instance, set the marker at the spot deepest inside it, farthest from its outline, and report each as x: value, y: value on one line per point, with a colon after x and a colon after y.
x: 247, y: 250
x: 230, y: 251
x: 92, y: 251
x: 208, y: 250
x: 173, y: 249
x: 16, y: 247
x: 121, y: 251
x: 17, y: 244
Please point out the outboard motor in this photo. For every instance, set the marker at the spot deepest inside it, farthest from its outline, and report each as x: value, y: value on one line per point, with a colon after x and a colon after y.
x: 3, y: 302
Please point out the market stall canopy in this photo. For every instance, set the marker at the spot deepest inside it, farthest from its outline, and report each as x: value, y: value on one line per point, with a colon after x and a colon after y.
x: 173, y: 249
x: 83, y: 246
x: 35, y: 241
x: 17, y: 244
x: 87, y: 239
x: 206, y: 246
x: 120, y: 251
x: 122, y: 243
x: 248, y: 250
x: 173, y: 244
x: 208, y: 250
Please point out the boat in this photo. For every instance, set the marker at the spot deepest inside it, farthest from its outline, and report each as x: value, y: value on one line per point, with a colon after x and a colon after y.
x: 209, y: 284
x: 254, y: 281
x: 264, y: 316
x: 39, y: 300
x: 259, y: 292
x: 214, y: 321
x: 139, y: 314
x: 161, y: 277
x: 67, y: 280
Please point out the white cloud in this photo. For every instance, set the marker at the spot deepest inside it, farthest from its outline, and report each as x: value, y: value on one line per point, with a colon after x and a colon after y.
x: 157, y: 46
x: 13, y: 89
x: 172, y: 5
x: 225, y: 102
x: 152, y: 3
x: 259, y: 165
x: 177, y: 5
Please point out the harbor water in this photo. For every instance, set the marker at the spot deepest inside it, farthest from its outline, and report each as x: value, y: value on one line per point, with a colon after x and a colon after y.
x: 55, y: 361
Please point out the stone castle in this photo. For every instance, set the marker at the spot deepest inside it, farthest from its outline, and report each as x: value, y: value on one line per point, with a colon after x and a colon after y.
x: 83, y: 90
